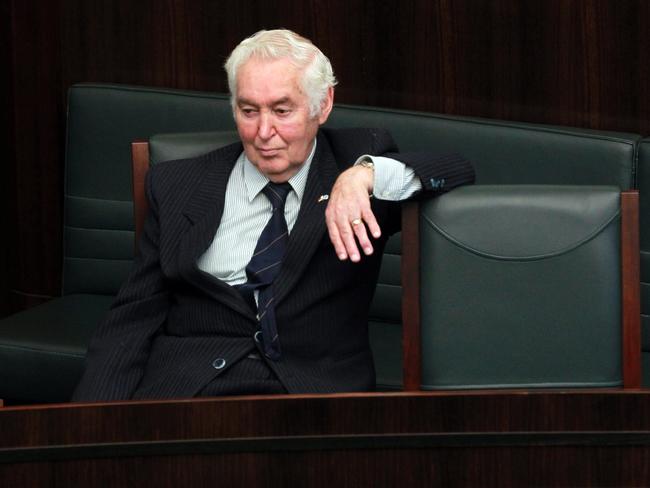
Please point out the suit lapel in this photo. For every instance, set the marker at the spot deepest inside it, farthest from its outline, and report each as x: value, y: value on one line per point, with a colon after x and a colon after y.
x: 204, y: 211
x: 310, y: 226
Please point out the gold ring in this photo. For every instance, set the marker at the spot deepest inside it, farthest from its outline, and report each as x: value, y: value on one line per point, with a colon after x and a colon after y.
x: 356, y: 222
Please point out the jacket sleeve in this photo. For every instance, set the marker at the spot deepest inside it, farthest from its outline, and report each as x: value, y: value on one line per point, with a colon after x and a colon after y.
x: 118, y: 352
x: 437, y: 173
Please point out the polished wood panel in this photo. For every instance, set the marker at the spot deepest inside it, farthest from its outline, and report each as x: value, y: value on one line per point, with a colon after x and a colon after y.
x: 562, y: 438
x: 410, y: 279
x: 35, y: 175
x: 631, y: 293
x: 572, y: 62
x: 140, y: 167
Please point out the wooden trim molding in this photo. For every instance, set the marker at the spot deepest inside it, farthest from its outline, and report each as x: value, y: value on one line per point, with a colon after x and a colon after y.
x: 140, y: 166
x: 630, y: 284
x: 410, y: 274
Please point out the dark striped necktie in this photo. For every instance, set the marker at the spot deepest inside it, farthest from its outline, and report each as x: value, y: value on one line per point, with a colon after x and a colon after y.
x: 265, y: 265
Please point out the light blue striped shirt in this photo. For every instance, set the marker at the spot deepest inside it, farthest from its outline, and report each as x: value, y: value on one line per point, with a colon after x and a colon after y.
x: 247, y: 210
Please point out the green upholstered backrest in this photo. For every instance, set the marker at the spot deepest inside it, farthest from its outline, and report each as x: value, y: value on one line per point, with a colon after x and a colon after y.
x: 520, y: 287
x: 508, y: 152
x: 167, y: 147
x: 103, y: 120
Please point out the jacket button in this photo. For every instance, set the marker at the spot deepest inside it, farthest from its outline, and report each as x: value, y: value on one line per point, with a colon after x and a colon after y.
x: 258, y: 336
x: 218, y: 363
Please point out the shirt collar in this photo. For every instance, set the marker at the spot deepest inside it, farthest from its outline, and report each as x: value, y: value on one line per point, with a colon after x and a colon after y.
x: 256, y: 181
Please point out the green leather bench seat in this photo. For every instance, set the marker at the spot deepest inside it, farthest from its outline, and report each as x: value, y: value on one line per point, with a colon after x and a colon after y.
x: 98, y: 229
x: 520, y: 286
x: 103, y: 120
x: 42, y: 350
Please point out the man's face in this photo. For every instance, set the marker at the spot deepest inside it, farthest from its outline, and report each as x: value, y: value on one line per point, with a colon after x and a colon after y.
x: 272, y: 116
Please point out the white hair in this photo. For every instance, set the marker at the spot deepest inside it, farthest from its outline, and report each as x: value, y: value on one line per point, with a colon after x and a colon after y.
x: 317, y: 76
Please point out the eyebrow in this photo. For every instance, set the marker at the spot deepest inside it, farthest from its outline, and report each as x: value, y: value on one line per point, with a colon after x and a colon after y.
x: 283, y: 100
x: 244, y: 101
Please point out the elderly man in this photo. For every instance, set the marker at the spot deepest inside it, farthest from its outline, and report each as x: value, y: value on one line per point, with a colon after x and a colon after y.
x: 258, y: 261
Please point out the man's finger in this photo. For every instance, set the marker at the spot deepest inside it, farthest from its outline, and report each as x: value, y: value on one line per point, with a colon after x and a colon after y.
x: 335, y: 237
x: 359, y: 229
x: 371, y: 222
x: 348, y: 237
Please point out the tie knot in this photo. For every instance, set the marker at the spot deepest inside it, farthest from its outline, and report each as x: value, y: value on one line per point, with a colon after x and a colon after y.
x: 277, y: 193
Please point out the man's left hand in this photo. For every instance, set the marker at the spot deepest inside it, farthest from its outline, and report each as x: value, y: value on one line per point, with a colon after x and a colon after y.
x: 349, y: 216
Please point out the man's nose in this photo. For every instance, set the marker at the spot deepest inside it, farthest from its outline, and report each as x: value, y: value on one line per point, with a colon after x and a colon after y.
x: 266, y: 128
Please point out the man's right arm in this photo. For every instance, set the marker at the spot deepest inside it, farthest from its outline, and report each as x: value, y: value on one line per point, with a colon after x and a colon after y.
x: 393, y: 177
x: 118, y: 352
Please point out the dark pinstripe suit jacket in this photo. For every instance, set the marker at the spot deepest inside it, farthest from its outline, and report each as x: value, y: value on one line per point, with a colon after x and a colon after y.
x: 170, y: 320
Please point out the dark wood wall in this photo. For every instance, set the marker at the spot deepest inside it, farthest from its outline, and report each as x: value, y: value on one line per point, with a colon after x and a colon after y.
x: 6, y: 140
x: 573, y: 62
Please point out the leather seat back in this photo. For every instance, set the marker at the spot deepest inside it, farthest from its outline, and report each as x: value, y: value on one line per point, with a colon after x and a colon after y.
x: 520, y: 287
x: 103, y: 120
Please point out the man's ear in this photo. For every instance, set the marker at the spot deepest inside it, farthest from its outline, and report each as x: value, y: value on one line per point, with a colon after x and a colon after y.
x: 326, y: 106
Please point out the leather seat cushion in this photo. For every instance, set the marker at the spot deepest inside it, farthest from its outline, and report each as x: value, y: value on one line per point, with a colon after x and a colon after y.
x: 42, y: 349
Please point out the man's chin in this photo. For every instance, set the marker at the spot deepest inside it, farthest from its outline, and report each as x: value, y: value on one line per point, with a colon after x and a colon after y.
x: 274, y: 170
x: 269, y: 159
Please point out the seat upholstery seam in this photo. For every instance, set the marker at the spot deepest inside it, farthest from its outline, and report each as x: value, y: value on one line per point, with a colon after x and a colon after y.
x: 81, y: 197
x: 143, y: 89
x: 41, y: 351
x: 74, y: 227
x: 97, y: 259
x: 538, y: 257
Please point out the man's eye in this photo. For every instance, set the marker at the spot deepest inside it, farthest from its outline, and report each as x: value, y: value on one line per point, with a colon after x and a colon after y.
x: 282, y: 111
x: 248, y: 111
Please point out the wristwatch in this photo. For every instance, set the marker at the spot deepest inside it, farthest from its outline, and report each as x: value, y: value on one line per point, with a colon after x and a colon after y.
x: 367, y: 163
